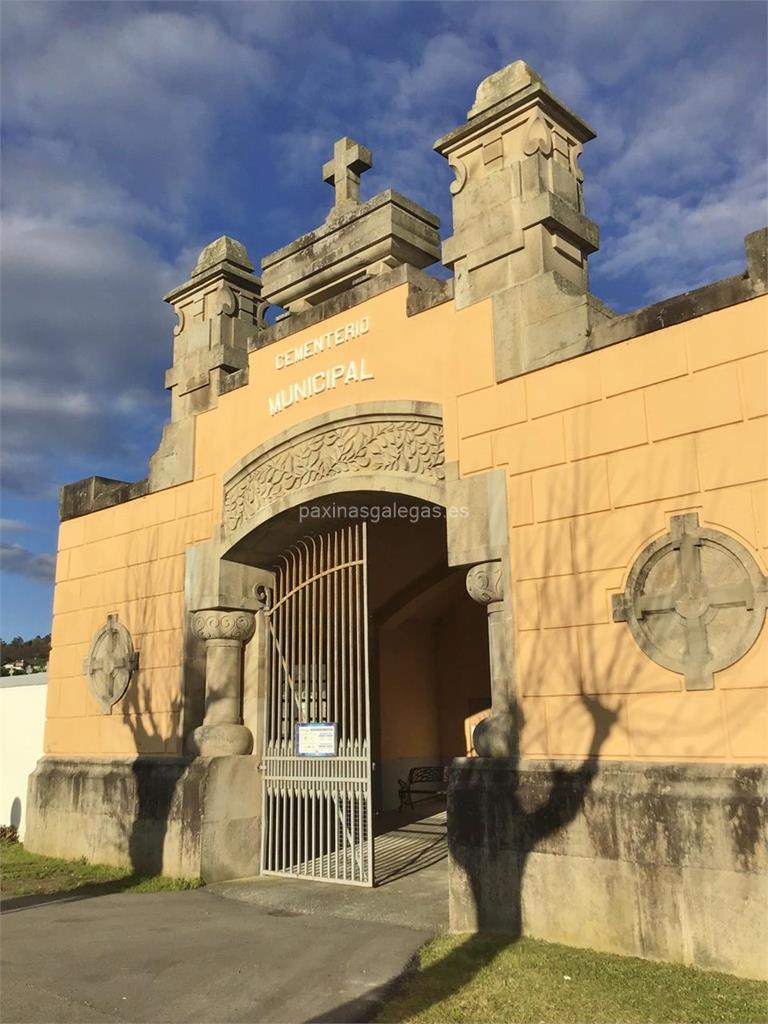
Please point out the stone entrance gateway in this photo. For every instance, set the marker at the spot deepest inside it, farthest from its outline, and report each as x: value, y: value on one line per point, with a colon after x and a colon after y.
x: 596, y: 578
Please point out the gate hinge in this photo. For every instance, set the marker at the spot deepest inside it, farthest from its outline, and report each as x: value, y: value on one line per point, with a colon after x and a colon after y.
x: 261, y: 767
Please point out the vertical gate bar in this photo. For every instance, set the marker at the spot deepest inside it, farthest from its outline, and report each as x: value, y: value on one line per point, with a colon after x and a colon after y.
x: 305, y: 817
x: 345, y: 834
x: 291, y: 665
x: 315, y: 666
x: 282, y: 706
x: 332, y: 819
x: 285, y: 646
x: 307, y: 707
x: 294, y: 671
x: 288, y: 652
x: 271, y: 838
x: 327, y: 631
x: 283, y: 829
x: 265, y: 732
x: 358, y: 631
x: 342, y: 643
x: 298, y: 667
x: 292, y: 858
x: 361, y: 833
x: 367, y: 690
x: 350, y: 631
x: 307, y: 669
x: 277, y: 611
x: 350, y: 635
x: 343, y: 632
x: 335, y: 581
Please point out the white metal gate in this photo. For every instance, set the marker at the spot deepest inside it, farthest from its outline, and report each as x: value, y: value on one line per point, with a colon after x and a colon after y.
x: 317, y: 820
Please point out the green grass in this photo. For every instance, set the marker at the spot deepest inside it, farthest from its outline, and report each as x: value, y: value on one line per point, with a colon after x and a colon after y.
x: 488, y: 979
x: 27, y: 874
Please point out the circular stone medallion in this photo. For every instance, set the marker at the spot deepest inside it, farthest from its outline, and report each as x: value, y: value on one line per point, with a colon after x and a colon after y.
x: 694, y: 601
x: 110, y: 663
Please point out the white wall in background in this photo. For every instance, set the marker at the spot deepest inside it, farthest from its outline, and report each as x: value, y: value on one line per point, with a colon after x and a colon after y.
x: 22, y: 723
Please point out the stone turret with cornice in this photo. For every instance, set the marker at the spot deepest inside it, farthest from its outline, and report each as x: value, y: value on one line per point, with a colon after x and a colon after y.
x: 219, y: 310
x: 520, y: 232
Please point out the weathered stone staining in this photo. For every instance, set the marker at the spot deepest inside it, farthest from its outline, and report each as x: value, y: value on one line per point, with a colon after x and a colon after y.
x: 520, y: 234
x: 350, y: 160
x: 358, y: 240
x: 559, y: 440
x: 218, y: 311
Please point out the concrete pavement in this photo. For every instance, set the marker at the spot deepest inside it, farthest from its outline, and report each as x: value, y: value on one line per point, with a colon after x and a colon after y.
x: 264, y: 951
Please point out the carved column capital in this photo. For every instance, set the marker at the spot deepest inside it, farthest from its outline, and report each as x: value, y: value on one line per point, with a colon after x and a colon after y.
x: 215, y: 624
x: 484, y: 582
x: 224, y: 632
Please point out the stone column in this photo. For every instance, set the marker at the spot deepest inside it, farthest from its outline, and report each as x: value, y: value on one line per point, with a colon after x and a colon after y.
x: 224, y: 632
x: 496, y: 736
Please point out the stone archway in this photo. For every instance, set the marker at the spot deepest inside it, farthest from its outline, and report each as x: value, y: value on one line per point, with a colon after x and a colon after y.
x: 393, y: 448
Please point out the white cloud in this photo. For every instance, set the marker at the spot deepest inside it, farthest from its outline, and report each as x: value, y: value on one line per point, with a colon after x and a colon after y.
x: 22, y: 562
x: 679, y: 244
x: 14, y: 526
x: 123, y: 120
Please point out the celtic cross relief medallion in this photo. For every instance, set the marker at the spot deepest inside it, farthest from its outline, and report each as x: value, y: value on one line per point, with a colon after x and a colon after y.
x: 695, y: 601
x: 110, y: 663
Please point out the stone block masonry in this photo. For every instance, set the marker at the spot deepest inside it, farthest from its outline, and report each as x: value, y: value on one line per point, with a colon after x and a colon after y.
x: 664, y: 861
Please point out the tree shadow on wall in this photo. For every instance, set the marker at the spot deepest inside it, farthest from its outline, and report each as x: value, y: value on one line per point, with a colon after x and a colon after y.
x: 159, y: 797
x: 519, y: 830
x: 501, y: 812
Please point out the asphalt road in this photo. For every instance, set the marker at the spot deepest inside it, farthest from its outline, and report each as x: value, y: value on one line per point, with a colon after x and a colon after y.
x: 203, y: 957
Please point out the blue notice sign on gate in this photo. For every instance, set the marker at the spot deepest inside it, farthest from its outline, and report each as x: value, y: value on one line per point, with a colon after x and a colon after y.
x: 315, y: 739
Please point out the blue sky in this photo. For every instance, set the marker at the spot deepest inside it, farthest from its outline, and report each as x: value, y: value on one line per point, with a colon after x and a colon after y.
x: 135, y: 133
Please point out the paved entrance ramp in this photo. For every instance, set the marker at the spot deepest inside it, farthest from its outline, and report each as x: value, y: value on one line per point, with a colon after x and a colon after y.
x: 411, y: 890
x: 269, y: 950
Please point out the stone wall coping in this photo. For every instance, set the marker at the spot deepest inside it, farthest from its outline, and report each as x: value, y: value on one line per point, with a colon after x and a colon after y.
x: 666, y: 771
x: 223, y: 269
x: 730, y: 291
x: 23, y: 679
x: 519, y: 102
x: 95, y: 493
x: 105, y: 761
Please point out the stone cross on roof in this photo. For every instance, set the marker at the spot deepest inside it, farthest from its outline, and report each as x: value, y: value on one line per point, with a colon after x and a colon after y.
x: 350, y: 160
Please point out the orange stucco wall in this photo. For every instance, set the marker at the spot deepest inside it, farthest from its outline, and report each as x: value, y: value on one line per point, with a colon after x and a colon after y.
x: 130, y: 560
x: 599, y: 452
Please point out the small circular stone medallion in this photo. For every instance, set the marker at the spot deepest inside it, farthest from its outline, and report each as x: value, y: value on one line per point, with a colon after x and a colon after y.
x: 110, y: 664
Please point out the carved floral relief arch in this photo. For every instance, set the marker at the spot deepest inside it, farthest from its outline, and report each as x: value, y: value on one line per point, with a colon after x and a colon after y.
x: 380, y: 446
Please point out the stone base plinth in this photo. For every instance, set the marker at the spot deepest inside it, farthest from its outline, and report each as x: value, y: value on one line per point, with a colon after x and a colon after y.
x: 661, y: 861
x: 193, y: 818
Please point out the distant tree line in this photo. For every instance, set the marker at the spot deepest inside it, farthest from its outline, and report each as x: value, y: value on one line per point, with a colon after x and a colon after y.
x: 32, y: 652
